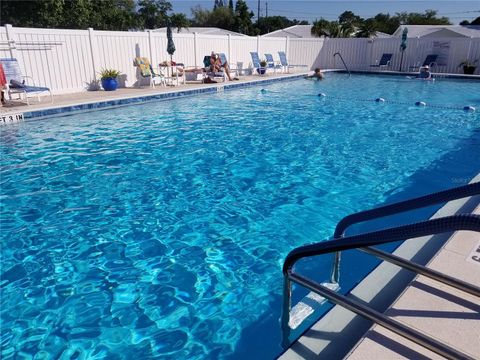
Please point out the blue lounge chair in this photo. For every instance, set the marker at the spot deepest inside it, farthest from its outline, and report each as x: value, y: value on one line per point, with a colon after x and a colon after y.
x: 256, y: 63
x: 16, y: 81
x: 385, y: 61
x: 271, y: 63
x: 284, y: 63
x: 430, y: 60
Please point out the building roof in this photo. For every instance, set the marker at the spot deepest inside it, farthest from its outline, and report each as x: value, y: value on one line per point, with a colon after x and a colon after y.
x: 381, y: 35
x: 201, y: 30
x: 295, y: 31
x: 419, y: 31
x: 305, y: 31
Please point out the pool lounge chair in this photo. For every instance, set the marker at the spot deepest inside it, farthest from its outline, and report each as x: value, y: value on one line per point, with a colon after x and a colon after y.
x: 236, y: 71
x: 430, y: 60
x: 385, y: 61
x: 283, y: 61
x: 256, y: 64
x: 271, y: 63
x: 16, y: 81
x: 213, y: 75
x: 146, y: 71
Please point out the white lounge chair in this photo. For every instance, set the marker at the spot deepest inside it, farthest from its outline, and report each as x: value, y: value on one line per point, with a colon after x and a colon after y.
x: 16, y: 83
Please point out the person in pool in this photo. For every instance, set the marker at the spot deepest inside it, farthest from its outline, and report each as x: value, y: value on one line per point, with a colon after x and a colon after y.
x: 317, y: 75
x: 424, y: 73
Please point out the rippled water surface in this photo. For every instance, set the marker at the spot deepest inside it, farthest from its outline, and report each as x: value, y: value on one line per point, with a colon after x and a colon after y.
x: 159, y: 230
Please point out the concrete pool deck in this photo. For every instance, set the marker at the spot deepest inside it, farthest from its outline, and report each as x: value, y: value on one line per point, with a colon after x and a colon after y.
x: 95, y: 100
x: 437, y: 310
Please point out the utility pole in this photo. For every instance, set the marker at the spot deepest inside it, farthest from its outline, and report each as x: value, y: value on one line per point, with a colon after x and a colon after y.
x: 258, y: 12
x: 266, y: 9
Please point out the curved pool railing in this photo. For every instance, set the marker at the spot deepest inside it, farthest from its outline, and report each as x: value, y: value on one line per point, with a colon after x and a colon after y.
x: 343, y: 61
x: 430, y: 227
x: 396, y: 208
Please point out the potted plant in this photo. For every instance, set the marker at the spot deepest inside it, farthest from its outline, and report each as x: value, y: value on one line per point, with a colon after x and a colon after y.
x: 468, y: 66
x: 109, y: 79
x: 263, y: 67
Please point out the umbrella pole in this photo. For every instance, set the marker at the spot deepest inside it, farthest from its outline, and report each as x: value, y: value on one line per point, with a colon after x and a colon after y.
x: 401, y: 61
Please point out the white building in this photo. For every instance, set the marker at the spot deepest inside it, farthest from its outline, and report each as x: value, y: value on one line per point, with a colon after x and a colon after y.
x: 201, y: 30
x: 440, y: 31
x: 295, y: 31
x: 305, y: 31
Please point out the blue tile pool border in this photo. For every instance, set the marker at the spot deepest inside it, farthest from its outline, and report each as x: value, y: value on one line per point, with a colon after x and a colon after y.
x: 106, y: 104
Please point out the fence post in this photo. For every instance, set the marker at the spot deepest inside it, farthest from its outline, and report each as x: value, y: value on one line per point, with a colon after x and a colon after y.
x: 91, y: 39
x: 287, y: 46
x: 150, y: 52
x: 12, y: 47
x: 195, y: 45
x: 229, y: 37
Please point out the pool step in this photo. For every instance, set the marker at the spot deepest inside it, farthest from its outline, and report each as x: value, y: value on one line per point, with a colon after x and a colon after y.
x: 308, y: 306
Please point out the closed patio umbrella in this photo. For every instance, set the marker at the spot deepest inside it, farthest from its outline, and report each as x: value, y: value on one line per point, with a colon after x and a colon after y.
x: 403, y: 46
x: 170, y: 44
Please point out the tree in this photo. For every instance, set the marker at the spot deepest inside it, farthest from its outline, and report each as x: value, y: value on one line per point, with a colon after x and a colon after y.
x: 153, y: 13
x: 474, y: 22
x: 76, y: 14
x: 271, y: 23
x: 349, y: 18
x: 220, y: 17
x: 114, y: 15
x: 332, y: 29
x: 243, y: 18
x: 41, y: 13
x: 428, y: 18
x: 230, y: 5
x: 179, y: 21
x: 367, y: 29
x: 386, y: 23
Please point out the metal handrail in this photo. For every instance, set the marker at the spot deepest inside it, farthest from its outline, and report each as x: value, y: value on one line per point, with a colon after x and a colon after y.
x: 429, y: 227
x: 343, y: 61
x: 396, y: 208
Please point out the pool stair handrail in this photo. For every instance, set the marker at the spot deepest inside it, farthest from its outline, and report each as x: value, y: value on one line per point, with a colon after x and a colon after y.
x: 343, y: 61
x: 362, y: 242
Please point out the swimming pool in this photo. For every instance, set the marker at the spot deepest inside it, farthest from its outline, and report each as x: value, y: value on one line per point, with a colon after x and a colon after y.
x: 159, y: 230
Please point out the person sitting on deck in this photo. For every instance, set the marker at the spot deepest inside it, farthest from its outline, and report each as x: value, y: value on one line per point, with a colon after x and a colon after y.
x: 216, y: 66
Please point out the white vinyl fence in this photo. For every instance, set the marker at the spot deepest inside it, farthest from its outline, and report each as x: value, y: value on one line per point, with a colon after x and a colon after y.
x: 70, y: 60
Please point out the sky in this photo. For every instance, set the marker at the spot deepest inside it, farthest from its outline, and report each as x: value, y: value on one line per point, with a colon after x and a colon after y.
x: 311, y: 10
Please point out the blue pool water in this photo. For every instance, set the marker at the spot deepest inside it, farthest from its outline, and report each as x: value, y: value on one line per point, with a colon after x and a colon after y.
x: 159, y: 230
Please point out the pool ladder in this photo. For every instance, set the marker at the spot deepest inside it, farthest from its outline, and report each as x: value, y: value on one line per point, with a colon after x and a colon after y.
x: 343, y: 61
x: 363, y: 242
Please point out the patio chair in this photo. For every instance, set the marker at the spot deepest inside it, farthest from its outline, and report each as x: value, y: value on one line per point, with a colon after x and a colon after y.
x: 283, y: 61
x: 385, y: 61
x: 430, y: 60
x: 16, y: 81
x: 271, y: 63
x: 223, y: 59
x: 256, y: 63
x: 215, y: 75
x: 146, y: 71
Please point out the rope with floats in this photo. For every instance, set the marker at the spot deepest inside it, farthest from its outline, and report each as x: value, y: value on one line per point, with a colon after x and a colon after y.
x: 467, y: 108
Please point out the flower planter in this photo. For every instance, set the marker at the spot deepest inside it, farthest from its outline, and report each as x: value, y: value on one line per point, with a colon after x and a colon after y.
x: 109, y: 84
x: 261, y: 71
x: 469, y: 69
